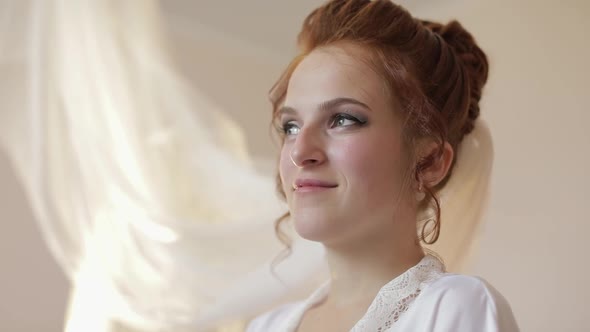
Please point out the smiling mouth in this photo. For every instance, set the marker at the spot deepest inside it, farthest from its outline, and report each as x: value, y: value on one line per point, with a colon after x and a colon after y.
x: 312, y: 189
x: 312, y: 186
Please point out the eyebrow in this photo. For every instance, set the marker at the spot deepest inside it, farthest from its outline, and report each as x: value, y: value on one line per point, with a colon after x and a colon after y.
x: 333, y: 103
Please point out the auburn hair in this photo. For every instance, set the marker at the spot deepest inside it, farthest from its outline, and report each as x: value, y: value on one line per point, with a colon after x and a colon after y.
x: 435, y: 71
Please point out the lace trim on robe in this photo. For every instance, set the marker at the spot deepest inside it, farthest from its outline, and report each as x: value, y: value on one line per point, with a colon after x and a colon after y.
x: 394, y: 299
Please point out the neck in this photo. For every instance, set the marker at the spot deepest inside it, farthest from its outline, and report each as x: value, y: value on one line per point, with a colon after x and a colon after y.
x: 359, y: 271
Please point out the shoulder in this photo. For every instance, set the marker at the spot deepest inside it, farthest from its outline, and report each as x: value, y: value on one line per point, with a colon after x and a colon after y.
x: 454, y: 287
x: 464, y: 303
x: 272, y: 320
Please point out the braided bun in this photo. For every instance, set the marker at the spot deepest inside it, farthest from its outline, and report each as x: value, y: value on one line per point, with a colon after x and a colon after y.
x: 473, y: 60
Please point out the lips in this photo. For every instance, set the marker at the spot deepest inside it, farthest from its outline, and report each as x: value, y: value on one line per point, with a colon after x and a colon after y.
x: 312, y: 183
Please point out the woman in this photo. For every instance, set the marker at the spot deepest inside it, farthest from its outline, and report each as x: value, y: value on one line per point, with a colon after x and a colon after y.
x: 371, y: 115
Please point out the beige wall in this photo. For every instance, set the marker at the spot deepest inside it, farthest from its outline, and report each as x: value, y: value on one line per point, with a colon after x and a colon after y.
x: 534, y: 243
x: 32, y: 288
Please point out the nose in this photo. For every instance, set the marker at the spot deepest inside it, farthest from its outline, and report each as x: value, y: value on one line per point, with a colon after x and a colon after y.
x: 308, y: 149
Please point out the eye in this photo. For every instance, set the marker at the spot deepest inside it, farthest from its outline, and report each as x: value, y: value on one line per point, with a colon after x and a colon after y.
x: 289, y: 128
x: 344, y: 120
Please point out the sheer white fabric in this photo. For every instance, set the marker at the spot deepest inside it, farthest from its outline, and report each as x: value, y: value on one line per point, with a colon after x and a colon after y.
x: 142, y: 188
x: 154, y: 211
x: 422, y: 299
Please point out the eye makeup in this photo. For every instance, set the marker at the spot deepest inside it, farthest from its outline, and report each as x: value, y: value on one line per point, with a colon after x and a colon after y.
x: 339, y: 120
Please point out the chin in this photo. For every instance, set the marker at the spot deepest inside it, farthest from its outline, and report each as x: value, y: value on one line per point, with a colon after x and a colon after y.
x: 314, y: 228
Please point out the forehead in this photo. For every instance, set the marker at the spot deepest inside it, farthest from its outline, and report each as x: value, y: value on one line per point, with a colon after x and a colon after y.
x: 336, y: 71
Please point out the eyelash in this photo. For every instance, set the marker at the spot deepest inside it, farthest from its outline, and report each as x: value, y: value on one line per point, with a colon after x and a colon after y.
x: 287, y: 125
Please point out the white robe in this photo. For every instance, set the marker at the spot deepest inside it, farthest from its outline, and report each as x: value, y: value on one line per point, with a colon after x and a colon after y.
x: 422, y: 299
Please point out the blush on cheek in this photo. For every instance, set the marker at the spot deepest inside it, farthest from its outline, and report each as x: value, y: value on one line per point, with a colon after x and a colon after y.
x: 366, y: 156
x: 372, y: 167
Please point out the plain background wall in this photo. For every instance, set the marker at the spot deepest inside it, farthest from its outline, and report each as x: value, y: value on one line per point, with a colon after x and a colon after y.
x: 33, y: 289
x: 534, y: 237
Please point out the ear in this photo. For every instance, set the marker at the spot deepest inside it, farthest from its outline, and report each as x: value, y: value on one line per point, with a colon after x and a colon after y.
x: 437, y: 170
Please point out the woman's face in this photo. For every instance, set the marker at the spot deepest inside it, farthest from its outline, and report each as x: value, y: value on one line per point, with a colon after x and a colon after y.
x: 341, y: 163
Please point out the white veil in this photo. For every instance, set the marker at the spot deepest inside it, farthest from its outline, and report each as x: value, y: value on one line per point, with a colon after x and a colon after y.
x: 152, y: 209
x: 142, y: 189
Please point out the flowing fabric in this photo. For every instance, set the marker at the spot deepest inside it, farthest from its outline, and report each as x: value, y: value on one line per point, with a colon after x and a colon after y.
x: 142, y: 188
x: 152, y: 210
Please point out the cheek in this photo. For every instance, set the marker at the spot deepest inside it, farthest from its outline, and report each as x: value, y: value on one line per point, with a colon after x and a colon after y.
x: 371, y: 165
x: 286, y: 169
